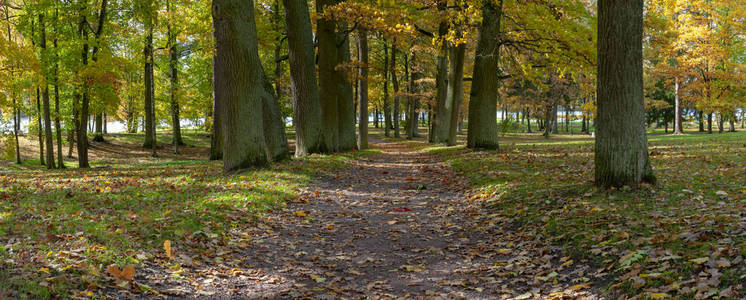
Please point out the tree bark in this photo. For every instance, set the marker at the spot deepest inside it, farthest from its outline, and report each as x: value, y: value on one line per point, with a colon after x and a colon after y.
x: 99, y: 127
x: 678, y: 128
x: 45, y: 98
x: 362, y: 50
x: 483, y: 129
x: 395, y: 83
x: 274, y: 125
x: 239, y: 84
x: 327, y: 59
x: 455, y: 90
x: 441, y: 117
x: 173, y: 64
x: 386, y: 102
x: 306, y: 106
x: 149, y: 105
x: 345, y: 94
x: 621, y: 153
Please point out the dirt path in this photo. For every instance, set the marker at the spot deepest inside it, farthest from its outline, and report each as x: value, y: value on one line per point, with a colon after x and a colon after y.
x: 392, y: 225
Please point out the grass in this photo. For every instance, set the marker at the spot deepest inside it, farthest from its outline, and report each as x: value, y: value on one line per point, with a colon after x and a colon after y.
x: 687, y: 231
x: 60, y: 229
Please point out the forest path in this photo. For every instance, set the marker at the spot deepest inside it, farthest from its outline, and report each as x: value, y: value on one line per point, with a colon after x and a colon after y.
x: 396, y: 224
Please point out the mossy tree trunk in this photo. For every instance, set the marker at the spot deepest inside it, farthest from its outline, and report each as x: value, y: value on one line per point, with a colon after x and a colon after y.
x: 621, y: 154
x: 239, y: 84
x: 306, y: 106
x: 483, y: 129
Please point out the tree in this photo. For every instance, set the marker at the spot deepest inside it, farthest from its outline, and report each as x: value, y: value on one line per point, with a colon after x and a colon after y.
x: 239, y: 84
x: 621, y: 143
x: 45, y: 97
x: 362, y: 89
x: 483, y: 129
x: 149, y: 20
x: 327, y: 60
x: 306, y: 105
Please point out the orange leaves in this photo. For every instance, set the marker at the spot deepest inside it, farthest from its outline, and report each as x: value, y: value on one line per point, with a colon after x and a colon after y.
x: 124, y: 276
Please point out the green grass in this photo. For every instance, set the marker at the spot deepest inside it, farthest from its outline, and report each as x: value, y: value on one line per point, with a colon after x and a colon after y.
x: 60, y: 229
x: 545, y: 186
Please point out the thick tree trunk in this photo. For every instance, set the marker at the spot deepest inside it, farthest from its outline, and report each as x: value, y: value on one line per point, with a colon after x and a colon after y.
x: 306, y: 106
x: 395, y: 82
x: 528, y: 119
x: 274, y: 125
x: 455, y: 91
x: 621, y: 154
x: 345, y: 94
x: 239, y: 84
x: 721, y: 119
x: 327, y: 59
x: 442, y: 115
x: 678, y: 128
x: 709, y: 123
x: 362, y: 50
x: 483, y: 130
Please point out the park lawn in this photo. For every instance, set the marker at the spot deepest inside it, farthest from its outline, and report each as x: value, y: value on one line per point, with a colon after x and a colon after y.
x: 60, y: 230
x: 684, y: 238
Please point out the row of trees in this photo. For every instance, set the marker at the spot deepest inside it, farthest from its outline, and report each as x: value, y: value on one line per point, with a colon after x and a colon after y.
x: 64, y: 63
x: 327, y: 64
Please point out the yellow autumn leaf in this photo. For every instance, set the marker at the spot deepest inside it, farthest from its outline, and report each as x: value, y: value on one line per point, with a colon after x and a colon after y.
x: 300, y: 214
x: 167, y: 248
x: 659, y: 296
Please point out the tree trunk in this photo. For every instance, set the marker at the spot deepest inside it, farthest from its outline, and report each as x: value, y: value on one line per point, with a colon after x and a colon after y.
x: 455, y: 90
x: 621, y: 154
x: 306, y: 106
x: 678, y: 128
x: 483, y: 130
x: 386, y: 103
x: 548, y: 121
x: 362, y: 50
x: 41, y: 127
x: 709, y: 123
x: 395, y: 82
x: 721, y: 119
x: 239, y: 84
x: 327, y: 60
x: 441, y: 117
x: 528, y: 119
x: 700, y: 118
x: 345, y: 94
x: 173, y: 64
x: 99, y: 127
x: 149, y: 108
x: 274, y: 125
x: 555, y: 123
x: 45, y: 99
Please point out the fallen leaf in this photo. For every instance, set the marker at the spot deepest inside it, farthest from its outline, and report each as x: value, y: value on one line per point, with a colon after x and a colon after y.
x: 167, y: 248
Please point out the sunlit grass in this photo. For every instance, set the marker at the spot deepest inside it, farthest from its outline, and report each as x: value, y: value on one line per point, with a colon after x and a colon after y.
x: 68, y: 225
x: 546, y: 187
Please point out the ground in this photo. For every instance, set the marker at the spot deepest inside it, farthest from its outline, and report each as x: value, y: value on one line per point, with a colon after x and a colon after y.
x: 404, y: 219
